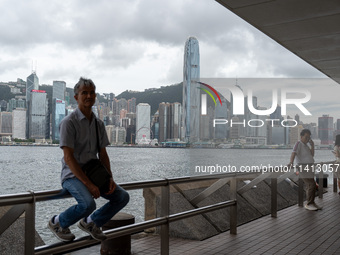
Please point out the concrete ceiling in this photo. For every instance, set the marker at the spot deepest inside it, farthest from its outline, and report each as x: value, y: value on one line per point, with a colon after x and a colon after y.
x: 308, y: 28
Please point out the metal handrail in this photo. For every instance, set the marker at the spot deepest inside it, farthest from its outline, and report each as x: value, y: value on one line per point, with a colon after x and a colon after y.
x: 30, y: 198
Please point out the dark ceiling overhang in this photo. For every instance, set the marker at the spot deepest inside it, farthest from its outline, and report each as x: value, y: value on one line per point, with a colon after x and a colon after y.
x: 308, y: 28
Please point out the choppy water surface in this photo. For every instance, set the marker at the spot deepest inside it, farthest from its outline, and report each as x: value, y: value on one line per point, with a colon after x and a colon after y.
x: 25, y: 168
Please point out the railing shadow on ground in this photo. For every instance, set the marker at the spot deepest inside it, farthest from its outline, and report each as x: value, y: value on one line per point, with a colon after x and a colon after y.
x: 26, y: 203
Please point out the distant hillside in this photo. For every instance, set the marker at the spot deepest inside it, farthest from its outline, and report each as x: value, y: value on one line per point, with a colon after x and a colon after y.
x: 154, y: 97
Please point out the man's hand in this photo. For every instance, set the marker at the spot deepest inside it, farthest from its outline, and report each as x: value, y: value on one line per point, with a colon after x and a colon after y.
x: 112, y: 187
x: 94, y: 190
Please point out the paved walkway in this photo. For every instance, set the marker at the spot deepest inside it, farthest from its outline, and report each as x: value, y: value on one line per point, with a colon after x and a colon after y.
x: 294, y: 231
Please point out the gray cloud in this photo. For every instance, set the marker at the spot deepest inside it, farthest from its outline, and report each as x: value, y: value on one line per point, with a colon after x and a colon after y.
x: 103, y: 38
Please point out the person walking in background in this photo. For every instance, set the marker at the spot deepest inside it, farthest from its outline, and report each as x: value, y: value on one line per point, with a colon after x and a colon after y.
x: 304, y: 156
x: 82, y: 136
x: 337, y: 158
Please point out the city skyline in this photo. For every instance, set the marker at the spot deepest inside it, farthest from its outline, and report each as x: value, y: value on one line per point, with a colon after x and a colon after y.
x: 321, y: 103
x: 39, y: 128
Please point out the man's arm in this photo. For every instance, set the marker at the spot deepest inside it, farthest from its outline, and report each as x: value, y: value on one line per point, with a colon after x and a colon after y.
x: 78, y: 172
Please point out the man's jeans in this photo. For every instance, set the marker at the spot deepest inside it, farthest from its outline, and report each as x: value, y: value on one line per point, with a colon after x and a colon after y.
x: 86, y: 204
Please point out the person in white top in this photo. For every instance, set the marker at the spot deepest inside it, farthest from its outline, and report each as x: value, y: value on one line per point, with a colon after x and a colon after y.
x: 303, y: 152
x: 337, y: 158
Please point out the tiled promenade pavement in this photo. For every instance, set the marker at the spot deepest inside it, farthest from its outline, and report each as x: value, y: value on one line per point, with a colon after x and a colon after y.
x: 294, y: 231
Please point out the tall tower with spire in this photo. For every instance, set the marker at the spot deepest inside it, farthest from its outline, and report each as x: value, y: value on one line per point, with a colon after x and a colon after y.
x: 191, y: 93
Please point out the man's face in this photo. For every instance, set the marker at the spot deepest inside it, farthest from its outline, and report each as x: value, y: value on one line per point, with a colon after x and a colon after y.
x: 86, y: 96
x: 305, y: 138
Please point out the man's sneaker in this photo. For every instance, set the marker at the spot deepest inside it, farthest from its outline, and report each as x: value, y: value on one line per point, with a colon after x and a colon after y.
x: 317, y: 206
x: 92, y: 229
x: 311, y: 207
x: 63, y: 234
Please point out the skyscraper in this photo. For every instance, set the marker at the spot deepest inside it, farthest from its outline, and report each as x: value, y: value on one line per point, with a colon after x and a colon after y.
x: 59, y: 89
x: 58, y: 113
x: 32, y: 83
x: 191, y: 93
x: 143, y: 123
x: 221, y: 113
x: 175, y: 111
x: 19, y: 123
x: 38, y: 112
x: 132, y: 105
x: 6, y: 123
x: 326, y: 129
x: 164, y: 121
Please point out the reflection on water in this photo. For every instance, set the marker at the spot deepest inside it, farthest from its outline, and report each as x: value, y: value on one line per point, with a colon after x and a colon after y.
x: 38, y: 168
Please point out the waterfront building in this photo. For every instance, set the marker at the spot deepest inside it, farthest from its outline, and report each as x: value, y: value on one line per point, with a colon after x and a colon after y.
x: 38, y: 121
x: 175, y: 120
x: 102, y: 109
x: 294, y: 134
x: 258, y: 141
x: 110, y: 97
x: 191, y: 93
x: 278, y: 135
x: 58, y: 113
x: 240, y: 129
x: 262, y: 131
x: 3, y: 105
x: 116, y: 120
x: 122, y: 113
x: 59, y: 89
x: 120, y: 104
x: 109, y: 131
x: 132, y: 105
x: 143, y: 122
x: 15, y: 103
x: 248, y: 115
x: 19, y: 123
x: 155, y: 125
x: 118, y: 135
x: 206, y: 127
x: 169, y: 119
x: 164, y: 121
x: 32, y: 83
x: 325, y: 124
x: 21, y: 103
x: 221, y: 112
x: 6, y: 120
x: 337, y: 127
x: 277, y: 114
x: 130, y: 134
x: 125, y: 122
x: 235, y: 129
x: 132, y: 117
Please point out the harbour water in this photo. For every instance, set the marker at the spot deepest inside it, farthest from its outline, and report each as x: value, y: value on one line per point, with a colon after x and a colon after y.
x: 37, y: 168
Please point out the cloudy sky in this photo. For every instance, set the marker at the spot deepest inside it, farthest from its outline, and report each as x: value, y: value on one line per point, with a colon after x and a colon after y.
x: 134, y: 44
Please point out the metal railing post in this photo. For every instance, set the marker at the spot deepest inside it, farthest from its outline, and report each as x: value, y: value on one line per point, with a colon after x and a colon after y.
x: 335, y: 181
x: 233, y: 209
x: 30, y: 226
x: 274, y: 197
x: 321, y: 182
x: 300, y: 196
x: 165, y: 211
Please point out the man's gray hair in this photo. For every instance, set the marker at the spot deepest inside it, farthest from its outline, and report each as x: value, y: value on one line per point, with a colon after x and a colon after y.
x: 85, y: 82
